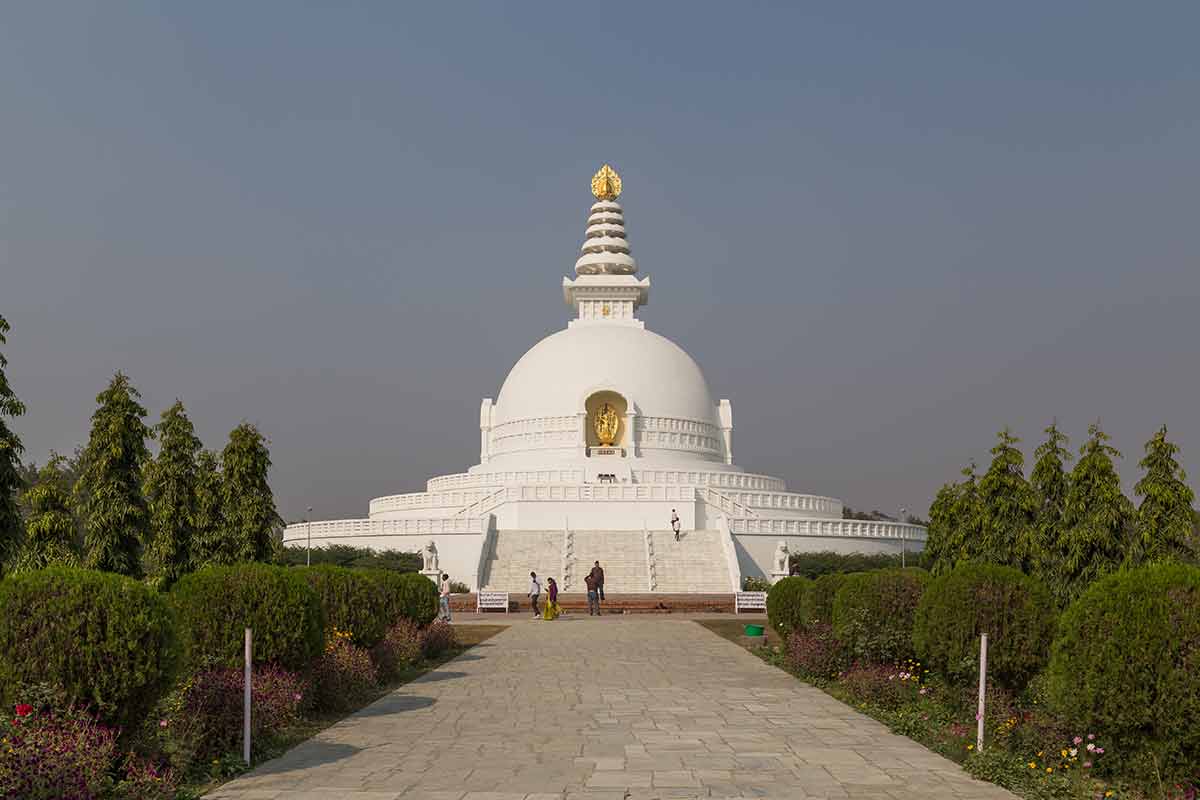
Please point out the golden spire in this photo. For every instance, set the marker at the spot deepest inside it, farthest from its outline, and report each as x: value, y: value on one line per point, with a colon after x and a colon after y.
x: 606, y: 184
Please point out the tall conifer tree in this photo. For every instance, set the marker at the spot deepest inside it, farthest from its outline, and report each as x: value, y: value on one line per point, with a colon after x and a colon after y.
x: 1164, y: 524
x: 1049, y: 484
x: 10, y: 461
x: 209, y: 544
x: 50, y: 527
x: 939, y: 541
x: 109, y: 491
x: 248, y: 504
x: 1006, y: 507
x: 967, y: 517
x: 171, y: 495
x: 1096, y: 517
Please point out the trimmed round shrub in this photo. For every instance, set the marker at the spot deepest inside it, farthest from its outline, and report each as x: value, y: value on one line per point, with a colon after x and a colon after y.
x: 1013, y: 609
x: 1126, y: 663
x: 816, y: 604
x: 407, y: 595
x: 353, y: 600
x: 95, y: 638
x: 217, y: 604
x: 873, y: 613
x: 783, y: 604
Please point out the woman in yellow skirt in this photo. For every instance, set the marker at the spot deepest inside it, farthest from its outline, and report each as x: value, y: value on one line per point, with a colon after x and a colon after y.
x: 552, y: 609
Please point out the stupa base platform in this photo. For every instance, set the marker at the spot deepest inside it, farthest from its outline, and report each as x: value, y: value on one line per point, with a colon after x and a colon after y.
x: 625, y: 603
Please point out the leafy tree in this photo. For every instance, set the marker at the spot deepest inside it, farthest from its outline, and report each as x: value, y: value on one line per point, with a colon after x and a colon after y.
x: 1006, y: 507
x: 1049, y: 484
x: 50, y: 529
x: 10, y: 460
x: 1165, y: 518
x: 208, y: 524
x: 248, y: 504
x: 171, y: 495
x: 109, y: 492
x: 1096, y: 517
x: 941, y: 543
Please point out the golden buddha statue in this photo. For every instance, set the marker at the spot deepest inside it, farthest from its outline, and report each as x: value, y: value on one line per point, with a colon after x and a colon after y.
x: 607, y: 425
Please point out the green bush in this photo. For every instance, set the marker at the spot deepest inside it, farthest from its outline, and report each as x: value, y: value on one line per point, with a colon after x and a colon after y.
x: 353, y: 600
x: 96, y: 638
x: 216, y: 605
x: 1126, y: 662
x: 873, y: 613
x: 1013, y: 609
x: 816, y: 605
x: 827, y: 562
x: 408, y: 595
x: 783, y: 604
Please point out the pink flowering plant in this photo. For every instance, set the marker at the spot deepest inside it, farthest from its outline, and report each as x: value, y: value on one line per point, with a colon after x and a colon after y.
x: 436, y: 638
x: 47, y: 756
x: 345, y: 676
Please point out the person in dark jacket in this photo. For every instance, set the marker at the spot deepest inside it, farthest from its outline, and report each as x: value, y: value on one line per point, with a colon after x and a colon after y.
x: 598, y: 575
x: 592, y: 597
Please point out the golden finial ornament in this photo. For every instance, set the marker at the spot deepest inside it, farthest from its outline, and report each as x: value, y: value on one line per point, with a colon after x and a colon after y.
x: 606, y: 184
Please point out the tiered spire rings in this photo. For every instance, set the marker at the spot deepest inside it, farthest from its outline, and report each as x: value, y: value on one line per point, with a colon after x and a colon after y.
x: 605, y: 248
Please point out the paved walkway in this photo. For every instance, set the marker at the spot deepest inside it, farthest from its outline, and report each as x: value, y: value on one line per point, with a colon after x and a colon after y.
x: 607, y: 709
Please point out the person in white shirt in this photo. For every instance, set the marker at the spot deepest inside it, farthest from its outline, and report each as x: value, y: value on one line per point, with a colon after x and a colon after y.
x: 535, y: 589
x: 444, y: 596
x: 675, y: 524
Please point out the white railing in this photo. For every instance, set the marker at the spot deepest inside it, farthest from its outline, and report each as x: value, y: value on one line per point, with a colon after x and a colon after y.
x: 787, y: 501
x: 851, y: 528
x: 725, y: 504
x: 484, y: 504
x: 405, y: 502
x: 651, y: 560
x: 487, y: 551
x: 731, y: 559
x: 720, y: 479
x: 345, y: 528
x: 568, y: 558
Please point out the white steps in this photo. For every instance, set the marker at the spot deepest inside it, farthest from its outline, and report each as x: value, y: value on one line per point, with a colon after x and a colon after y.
x: 694, y: 565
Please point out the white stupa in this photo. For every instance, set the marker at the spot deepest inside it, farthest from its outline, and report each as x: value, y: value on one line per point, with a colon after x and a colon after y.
x: 600, y: 433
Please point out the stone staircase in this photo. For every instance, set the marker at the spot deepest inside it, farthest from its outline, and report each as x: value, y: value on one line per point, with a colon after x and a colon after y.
x: 695, y: 565
x: 622, y: 554
x: 517, y: 553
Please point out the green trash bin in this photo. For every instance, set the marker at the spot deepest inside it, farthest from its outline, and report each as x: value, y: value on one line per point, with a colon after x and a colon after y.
x: 754, y: 630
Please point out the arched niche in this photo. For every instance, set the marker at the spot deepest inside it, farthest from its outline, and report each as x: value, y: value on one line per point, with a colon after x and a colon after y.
x: 594, y: 404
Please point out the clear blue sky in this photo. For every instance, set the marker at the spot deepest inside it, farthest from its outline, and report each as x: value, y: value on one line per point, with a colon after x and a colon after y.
x: 884, y: 230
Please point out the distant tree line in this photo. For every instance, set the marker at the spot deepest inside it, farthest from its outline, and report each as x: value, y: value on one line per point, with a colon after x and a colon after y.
x: 343, y: 555
x: 1066, y: 526
x: 112, y: 507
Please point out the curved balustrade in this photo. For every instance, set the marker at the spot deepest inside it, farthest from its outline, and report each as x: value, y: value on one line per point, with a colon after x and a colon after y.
x: 851, y: 528
x: 345, y: 528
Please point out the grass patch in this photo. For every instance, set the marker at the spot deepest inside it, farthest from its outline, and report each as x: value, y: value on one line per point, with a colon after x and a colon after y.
x: 735, y: 630
x: 231, y: 766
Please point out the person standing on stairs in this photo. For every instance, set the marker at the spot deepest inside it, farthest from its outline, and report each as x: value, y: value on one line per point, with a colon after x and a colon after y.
x: 593, y: 599
x: 535, y: 589
x: 598, y: 575
x: 675, y: 524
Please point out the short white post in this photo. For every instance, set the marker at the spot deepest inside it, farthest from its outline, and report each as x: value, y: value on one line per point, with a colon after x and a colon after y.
x: 982, y: 691
x: 246, y: 699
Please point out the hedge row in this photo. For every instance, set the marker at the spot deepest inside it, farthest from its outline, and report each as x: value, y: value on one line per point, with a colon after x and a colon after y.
x: 115, y: 645
x: 1124, y: 658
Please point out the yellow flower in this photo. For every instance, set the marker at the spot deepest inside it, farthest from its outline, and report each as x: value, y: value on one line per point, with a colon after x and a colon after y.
x: 1039, y: 753
x: 970, y: 747
x: 1064, y: 753
x: 1049, y: 769
x: 1108, y: 793
x: 1033, y: 765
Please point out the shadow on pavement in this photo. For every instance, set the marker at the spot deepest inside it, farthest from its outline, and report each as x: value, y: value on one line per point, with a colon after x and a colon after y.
x: 306, y: 755
x: 394, y: 704
x: 439, y: 675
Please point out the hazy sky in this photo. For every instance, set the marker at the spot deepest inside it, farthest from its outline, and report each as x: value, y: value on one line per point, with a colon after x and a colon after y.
x: 884, y: 231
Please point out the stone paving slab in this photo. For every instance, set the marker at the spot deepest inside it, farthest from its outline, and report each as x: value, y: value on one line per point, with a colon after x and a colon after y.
x: 609, y: 708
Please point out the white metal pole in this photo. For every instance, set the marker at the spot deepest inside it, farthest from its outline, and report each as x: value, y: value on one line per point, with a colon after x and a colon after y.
x: 246, y: 700
x: 982, y: 691
x: 308, y: 549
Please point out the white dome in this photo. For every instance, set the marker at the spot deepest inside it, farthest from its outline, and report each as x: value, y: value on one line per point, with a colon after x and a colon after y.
x: 651, y: 372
